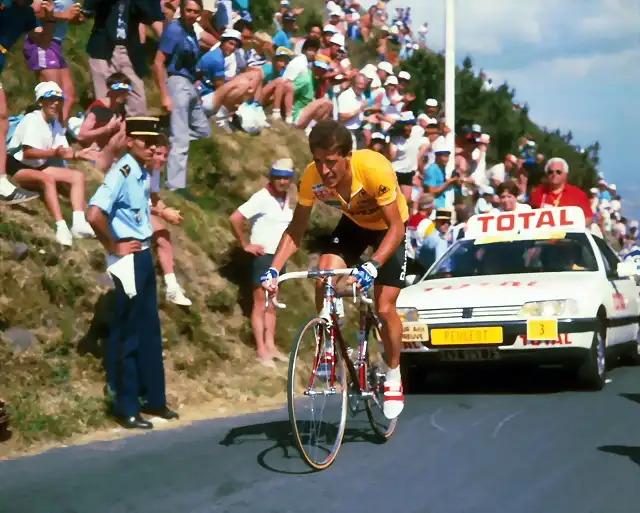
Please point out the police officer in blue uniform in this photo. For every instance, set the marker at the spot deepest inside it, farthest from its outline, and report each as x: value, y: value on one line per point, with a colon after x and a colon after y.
x: 120, y: 215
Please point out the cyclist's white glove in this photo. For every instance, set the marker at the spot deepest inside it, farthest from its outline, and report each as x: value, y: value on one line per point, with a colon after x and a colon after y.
x: 270, y: 276
x: 365, y: 274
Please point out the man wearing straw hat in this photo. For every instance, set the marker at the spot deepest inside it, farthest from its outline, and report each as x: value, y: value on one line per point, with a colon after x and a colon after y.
x: 120, y: 215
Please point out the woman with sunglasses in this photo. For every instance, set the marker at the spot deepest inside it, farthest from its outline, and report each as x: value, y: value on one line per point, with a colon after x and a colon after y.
x: 174, y: 70
x: 556, y: 192
x: 35, y: 159
x: 103, y: 124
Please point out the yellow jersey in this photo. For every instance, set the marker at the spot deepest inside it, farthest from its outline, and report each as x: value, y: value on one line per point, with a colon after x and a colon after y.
x: 373, y: 185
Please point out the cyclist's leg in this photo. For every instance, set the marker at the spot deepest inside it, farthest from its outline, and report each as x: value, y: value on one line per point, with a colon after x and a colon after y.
x: 346, y: 244
x: 391, y: 279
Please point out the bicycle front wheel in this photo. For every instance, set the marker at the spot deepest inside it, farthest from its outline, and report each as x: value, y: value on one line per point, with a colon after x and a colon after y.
x: 317, y: 404
x: 381, y: 425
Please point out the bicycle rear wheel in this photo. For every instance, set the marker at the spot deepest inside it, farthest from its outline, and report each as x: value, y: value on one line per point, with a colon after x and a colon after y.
x: 381, y: 425
x: 317, y: 411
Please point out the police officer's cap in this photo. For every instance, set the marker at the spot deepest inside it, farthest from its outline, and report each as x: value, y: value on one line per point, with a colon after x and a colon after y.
x: 143, y: 125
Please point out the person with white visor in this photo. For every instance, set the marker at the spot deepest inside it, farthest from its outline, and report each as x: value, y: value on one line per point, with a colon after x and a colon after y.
x: 36, y: 156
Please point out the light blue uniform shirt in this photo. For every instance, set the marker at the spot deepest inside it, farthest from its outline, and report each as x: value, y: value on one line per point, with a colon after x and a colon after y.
x: 124, y: 198
x: 433, y: 247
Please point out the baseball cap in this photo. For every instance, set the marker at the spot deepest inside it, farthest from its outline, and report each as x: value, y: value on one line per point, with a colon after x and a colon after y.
x: 391, y: 80
x: 283, y: 51
x: 322, y: 62
x: 232, y: 34
x: 369, y: 71
x: 431, y: 102
x: 593, y: 190
x: 379, y: 136
x: 338, y: 39
x: 386, y: 67
x: 407, y: 116
x: 476, y: 128
x: 404, y: 75
x: 289, y: 16
x: 332, y: 29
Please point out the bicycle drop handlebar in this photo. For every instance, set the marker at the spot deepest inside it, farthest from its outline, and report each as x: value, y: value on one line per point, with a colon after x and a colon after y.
x: 328, y: 273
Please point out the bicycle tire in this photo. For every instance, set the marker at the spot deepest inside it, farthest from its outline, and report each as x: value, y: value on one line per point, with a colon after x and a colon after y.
x: 384, y: 428
x: 340, y: 371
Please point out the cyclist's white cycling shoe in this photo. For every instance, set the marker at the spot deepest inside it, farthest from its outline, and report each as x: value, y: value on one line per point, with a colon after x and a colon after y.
x: 393, y: 399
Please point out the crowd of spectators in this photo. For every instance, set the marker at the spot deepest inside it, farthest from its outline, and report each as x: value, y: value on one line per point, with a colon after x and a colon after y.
x: 212, y: 65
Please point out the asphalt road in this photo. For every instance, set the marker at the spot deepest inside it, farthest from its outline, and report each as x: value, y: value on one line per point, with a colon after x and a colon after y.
x: 478, y: 444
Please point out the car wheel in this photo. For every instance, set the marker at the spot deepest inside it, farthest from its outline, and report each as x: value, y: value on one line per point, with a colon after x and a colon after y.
x: 592, y: 373
x: 413, y: 375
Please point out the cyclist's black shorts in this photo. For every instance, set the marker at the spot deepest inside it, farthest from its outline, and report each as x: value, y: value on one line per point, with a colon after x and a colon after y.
x: 349, y: 241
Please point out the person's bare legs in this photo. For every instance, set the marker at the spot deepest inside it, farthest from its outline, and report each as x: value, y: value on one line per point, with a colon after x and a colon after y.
x: 75, y: 179
x: 317, y: 110
x: 162, y: 241
x: 46, y: 183
x: 258, y: 324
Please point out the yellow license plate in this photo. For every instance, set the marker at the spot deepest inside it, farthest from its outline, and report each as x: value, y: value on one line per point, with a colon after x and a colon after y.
x: 466, y: 336
x: 415, y: 332
x: 542, y: 329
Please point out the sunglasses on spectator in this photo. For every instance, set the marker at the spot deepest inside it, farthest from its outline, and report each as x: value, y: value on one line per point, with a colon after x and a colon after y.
x: 556, y: 171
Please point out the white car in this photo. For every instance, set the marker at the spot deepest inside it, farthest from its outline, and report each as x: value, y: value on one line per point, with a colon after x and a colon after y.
x: 532, y: 287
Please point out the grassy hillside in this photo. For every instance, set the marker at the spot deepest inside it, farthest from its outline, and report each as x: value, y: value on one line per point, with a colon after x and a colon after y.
x: 62, y: 297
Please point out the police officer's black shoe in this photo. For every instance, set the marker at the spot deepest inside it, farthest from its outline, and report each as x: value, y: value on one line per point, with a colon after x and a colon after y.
x: 163, y: 413
x: 136, y: 422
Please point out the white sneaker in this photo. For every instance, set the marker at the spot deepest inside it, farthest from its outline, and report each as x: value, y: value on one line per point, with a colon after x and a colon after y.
x: 82, y: 231
x: 176, y: 296
x: 393, y: 399
x: 63, y: 236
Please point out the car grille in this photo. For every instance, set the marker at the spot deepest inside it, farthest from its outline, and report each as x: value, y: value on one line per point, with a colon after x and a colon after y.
x: 477, y: 313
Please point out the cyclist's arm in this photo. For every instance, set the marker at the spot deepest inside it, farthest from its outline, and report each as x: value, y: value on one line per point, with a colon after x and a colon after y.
x: 395, y: 233
x: 292, y: 237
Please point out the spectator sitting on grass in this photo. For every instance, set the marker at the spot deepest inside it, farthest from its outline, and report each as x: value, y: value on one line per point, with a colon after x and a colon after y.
x: 221, y: 89
x: 276, y: 89
x: 160, y: 214
x: 269, y: 213
x: 39, y: 141
x: 306, y: 108
x: 103, y: 123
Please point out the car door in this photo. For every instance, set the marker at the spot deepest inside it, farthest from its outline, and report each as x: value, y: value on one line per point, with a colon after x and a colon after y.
x: 623, y: 298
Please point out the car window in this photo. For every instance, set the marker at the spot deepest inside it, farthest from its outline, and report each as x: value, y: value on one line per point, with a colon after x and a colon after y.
x: 466, y: 258
x: 608, y: 255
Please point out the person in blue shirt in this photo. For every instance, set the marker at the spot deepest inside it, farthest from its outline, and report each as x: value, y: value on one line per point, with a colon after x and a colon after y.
x: 283, y: 36
x: 119, y: 213
x: 16, y: 19
x: 435, y: 244
x: 435, y: 180
x: 174, y: 70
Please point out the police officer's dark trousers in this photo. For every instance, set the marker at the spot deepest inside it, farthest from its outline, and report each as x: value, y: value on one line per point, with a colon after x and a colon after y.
x: 135, y: 370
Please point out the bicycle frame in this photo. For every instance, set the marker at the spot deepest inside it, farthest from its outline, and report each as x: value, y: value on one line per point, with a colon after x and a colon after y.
x: 357, y: 371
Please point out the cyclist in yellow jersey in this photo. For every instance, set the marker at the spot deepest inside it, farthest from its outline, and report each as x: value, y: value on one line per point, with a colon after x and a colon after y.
x: 363, y: 185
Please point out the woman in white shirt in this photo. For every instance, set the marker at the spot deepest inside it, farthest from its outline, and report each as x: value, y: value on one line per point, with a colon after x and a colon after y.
x: 508, y: 193
x: 37, y: 143
x: 405, y: 150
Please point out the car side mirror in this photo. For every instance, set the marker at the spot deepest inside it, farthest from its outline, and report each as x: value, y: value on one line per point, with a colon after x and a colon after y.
x: 627, y: 269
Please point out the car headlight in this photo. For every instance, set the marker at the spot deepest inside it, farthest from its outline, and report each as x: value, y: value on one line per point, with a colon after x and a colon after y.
x: 408, y: 314
x: 556, y: 308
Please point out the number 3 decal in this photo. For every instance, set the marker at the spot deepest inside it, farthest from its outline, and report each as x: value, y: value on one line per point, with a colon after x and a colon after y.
x: 542, y: 329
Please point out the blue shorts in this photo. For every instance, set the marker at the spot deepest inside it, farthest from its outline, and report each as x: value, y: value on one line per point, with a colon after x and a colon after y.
x: 261, y: 265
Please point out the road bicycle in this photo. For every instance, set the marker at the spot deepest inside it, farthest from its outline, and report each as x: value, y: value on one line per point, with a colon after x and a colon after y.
x: 322, y: 367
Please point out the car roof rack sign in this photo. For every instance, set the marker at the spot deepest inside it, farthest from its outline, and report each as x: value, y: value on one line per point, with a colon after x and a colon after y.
x: 540, y: 223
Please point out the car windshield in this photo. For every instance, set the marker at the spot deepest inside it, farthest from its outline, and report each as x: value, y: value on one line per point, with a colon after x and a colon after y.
x: 572, y: 253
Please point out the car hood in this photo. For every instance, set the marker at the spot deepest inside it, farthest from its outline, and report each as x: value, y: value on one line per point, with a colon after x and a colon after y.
x: 499, y: 290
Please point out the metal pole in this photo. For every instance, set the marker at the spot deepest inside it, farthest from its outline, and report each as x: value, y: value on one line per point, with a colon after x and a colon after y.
x: 450, y: 75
